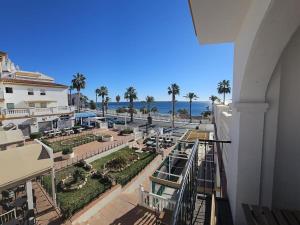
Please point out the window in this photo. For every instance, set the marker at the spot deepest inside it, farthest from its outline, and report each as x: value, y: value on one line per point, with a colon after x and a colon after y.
x: 30, y: 91
x: 42, y: 92
x: 8, y: 89
x: 10, y: 105
x: 43, y: 105
x: 31, y: 104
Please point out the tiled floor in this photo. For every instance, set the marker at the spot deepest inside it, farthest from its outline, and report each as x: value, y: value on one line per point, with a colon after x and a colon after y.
x: 45, y: 212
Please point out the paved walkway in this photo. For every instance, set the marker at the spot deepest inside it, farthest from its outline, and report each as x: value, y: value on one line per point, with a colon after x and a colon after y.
x: 45, y: 212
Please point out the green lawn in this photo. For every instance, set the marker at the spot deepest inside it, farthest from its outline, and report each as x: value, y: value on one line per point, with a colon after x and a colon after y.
x: 71, y: 202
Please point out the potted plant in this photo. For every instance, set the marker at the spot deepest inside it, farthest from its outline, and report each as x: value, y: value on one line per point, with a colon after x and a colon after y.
x: 107, y: 137
x: 67, y: 153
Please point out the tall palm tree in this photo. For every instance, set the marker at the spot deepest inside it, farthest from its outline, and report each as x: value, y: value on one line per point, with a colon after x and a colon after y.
x: 97, y: 92
x: 224, y: 88
x: 173, y: 90
x: 213, y: 98
x: 131, y: 95
x: 71, y: 88
x: 191, y: 96
x: 83, y: 100
x: 107, y: 99
x: 78, y: 83
x: 103, y: 92
x: 149, y: 101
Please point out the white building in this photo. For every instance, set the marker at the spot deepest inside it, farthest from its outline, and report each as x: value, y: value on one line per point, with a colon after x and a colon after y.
x: 262, y: 164
x: 31, y: 100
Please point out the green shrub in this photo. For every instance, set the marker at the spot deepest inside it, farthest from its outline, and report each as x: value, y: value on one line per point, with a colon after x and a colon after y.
x: 126, y: 131
x: 35, y: 135
x: 67, y: 150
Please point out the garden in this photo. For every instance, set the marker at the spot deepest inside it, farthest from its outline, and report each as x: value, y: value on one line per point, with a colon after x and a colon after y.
x: 80, y: 184
x: 70, y: 143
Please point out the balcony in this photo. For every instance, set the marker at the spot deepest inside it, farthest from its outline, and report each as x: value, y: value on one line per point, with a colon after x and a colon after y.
x: 187, y: 188
x: 29, y: 112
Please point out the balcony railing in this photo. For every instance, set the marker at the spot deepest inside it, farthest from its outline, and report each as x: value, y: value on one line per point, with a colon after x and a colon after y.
x: 27, y: 112
x: 156, y: 202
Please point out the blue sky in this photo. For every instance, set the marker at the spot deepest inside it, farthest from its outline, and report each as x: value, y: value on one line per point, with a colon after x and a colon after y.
x: 117, y: 43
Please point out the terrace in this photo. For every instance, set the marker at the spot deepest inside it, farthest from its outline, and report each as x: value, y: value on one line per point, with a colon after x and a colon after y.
x: 29, y: 112
x: 19, y: 203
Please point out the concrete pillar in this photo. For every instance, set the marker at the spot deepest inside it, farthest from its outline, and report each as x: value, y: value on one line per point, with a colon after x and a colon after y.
x: 244, y: 172
x: 29, y: 194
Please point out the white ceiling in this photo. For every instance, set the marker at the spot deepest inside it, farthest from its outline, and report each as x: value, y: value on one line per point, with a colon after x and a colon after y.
x: 218, y: 20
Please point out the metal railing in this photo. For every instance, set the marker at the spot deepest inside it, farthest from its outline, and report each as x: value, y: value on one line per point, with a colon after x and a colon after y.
x: 202, y: 175
x: 185, y: 205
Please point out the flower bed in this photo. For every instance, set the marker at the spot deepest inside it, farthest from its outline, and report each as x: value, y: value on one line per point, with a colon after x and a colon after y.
x: 58, y: 146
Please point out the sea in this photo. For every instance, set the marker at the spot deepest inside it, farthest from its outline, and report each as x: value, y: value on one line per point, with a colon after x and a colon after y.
x: 165, y: 107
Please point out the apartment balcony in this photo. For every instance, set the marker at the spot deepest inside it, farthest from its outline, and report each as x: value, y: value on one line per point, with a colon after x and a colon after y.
x: 30, y: 112
x: 187, y: 188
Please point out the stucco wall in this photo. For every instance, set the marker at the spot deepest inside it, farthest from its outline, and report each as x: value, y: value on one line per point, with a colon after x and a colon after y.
x: 59, y: 96
x: 270, y: 135
x: 287, y: 165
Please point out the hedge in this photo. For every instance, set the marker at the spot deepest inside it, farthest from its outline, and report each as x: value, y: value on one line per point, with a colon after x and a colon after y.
x: 133, y: 170
x: 71, y: 202
x: 35, y: 135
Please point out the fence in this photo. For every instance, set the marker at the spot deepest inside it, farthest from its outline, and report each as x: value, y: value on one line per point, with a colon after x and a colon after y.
x: 69, y: 162
x: 155, y: 116
x: 155, y: 202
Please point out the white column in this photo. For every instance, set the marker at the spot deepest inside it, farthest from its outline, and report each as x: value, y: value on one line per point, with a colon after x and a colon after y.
x: 29, y: 194
x: 245, y: 155
x: 53, y: 186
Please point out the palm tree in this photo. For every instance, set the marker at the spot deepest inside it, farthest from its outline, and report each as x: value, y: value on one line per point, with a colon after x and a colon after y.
x: 103, y: 92
x: 131, y: 95
x: 71, y: 88
x: 149, y: 101
x: 83, y: 100
x: 78, y: 82
x: 224, y: 88
x: 173, y: 90
x: 107, y: 99
x: 213, y: 98
x: 191, y: 96
x: 97, y: 92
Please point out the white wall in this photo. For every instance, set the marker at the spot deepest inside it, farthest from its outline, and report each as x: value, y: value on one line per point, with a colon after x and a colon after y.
x: 270, y: 135
x: 59, y: 96
x: 287, y: 165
